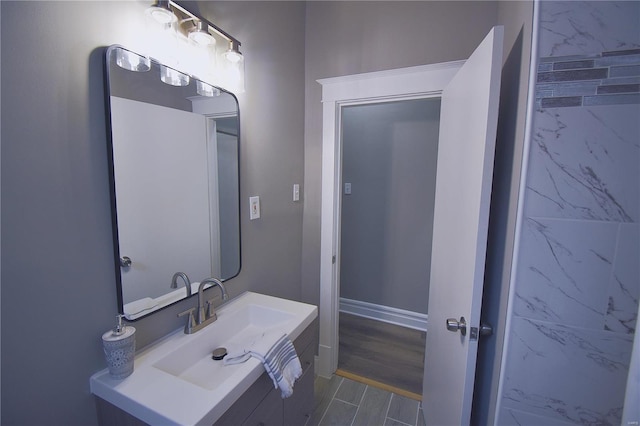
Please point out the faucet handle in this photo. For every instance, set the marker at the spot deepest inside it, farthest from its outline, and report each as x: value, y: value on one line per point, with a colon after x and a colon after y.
x: 211, y: 312
x: 191, y: 320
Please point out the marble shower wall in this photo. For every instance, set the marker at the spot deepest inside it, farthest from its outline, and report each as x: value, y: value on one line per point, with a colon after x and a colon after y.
x: 578, y: 274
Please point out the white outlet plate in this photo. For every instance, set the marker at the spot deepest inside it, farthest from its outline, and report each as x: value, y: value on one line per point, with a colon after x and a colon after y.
x: 254, y: 207
x: 296, y: 192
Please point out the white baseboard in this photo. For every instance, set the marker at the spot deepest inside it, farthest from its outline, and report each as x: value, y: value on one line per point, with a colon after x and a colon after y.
x: 414, y: 320
x: 322, y: 361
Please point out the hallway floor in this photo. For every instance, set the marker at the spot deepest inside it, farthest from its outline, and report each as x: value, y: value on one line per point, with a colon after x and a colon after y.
x: 386, y: 353
x: 343, y: 402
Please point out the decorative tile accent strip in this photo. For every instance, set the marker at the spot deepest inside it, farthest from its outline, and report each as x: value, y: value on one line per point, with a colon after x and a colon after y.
x: 617, y: 60
x: 569, y: 101
x: 619, y: 88
x: 572, y: 65
x: 609, y: 78
x: 545, y: 67
x: 622, y: 52
x: 573, y: 75
x: 611, y: 100
x: 628, y: 71
x: 622, y: 80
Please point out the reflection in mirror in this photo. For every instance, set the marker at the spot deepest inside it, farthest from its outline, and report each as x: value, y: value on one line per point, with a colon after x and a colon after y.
x: 175, y: 182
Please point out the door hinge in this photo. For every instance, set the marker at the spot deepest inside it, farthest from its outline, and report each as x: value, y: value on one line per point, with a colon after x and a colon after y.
x: 333, y: 259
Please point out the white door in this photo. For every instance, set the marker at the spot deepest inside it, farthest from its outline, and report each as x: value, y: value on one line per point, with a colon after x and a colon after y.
x: 466, y: 145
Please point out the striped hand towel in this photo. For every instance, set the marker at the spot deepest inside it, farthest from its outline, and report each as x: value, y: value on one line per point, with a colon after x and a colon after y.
x: 277, y: 354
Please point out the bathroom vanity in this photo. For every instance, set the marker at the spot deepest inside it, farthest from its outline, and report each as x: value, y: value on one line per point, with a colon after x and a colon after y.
x: 175, y: 381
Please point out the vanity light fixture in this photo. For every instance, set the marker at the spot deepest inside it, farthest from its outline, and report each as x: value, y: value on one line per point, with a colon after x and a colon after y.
x: 162, y: 13
x: 186, y: 41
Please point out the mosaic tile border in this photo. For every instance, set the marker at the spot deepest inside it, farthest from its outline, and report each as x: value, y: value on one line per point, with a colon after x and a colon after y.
x: 608, y: 78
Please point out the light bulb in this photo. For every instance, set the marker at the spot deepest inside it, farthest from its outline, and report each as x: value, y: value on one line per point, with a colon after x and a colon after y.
x: 173, y: 77
x: 233, y: 56
x: 205, y: 89
x: 162, y: 13
x: 132, y: 61
x: 200, y: 34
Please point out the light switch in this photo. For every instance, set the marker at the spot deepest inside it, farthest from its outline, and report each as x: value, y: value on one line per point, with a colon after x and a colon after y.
x: 296, y: 192
x: 347, y: 188
x: 254, y: 208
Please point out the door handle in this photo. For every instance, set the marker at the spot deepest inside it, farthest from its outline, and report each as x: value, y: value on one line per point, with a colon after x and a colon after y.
x: 455, y: 325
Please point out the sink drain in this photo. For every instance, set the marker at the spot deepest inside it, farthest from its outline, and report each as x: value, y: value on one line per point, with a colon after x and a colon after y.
x: 219, y: 353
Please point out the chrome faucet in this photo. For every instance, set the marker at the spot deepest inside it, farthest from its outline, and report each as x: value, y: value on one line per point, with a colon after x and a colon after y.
x: 206, y: 312
x: 185, y: 278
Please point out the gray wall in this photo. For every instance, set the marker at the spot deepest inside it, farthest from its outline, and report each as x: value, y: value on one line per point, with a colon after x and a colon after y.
x: 350, y: 37
x: 58, y: 283
x: 56, y: 236
x: 389, y: 155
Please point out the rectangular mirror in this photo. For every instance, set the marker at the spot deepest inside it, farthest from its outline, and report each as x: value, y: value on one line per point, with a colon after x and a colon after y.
x: 174, y: 145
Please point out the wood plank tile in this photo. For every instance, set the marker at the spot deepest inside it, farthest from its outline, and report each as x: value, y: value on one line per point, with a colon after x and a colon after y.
x: 324, y: 390
x: 392, y: 422
x: 403, y: 409
x: 339, y: 413
x: 350, y: 391
x: 421, y: 418
x: 373, y: 408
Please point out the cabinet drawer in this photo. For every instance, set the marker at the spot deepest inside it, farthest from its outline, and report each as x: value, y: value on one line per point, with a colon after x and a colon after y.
x: 298, y: 407
x: 268, y: 412
x: 243, y: 407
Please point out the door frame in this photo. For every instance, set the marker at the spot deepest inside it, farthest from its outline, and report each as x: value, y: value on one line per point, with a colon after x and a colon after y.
x: 425, y: 81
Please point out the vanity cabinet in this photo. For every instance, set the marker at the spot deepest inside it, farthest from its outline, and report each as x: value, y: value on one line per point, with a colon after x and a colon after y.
x: 261, y: 404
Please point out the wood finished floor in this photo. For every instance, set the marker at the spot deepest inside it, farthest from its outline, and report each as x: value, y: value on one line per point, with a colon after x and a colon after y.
x: 383, y: 352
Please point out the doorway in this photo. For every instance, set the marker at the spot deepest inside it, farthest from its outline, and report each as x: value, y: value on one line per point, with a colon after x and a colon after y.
x: 389, y: 157
x: 469, y: 94
x: 403, y: 84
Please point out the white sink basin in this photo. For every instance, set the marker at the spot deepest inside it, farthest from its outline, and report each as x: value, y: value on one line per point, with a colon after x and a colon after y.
x: 175, y: 381
x: 192, y: 362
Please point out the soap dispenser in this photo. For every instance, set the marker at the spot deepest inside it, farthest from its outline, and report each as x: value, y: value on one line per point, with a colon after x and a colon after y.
x: 119, y: 349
